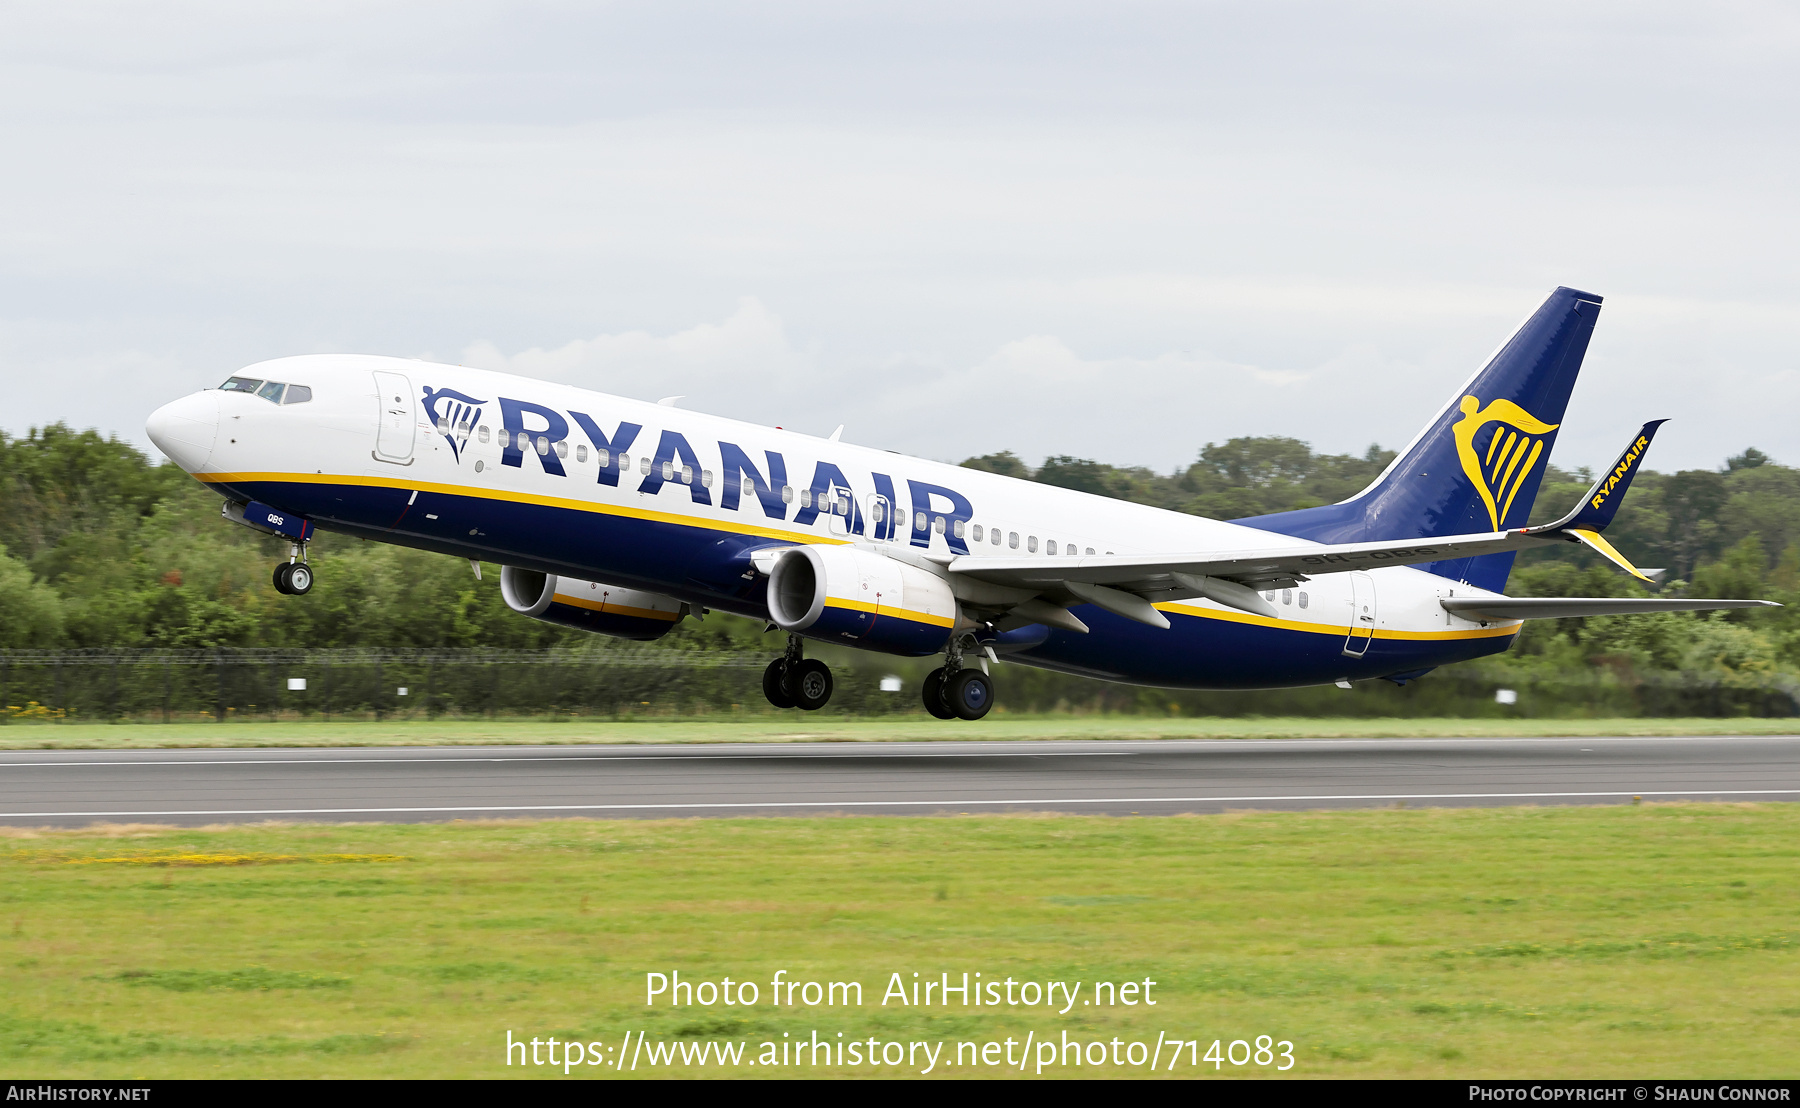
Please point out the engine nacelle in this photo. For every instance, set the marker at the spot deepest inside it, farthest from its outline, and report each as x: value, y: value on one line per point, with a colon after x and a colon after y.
x: 840, y: 592
x: 589, y: 605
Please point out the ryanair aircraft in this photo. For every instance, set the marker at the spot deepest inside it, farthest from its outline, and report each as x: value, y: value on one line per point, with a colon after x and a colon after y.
x: 622, y: 517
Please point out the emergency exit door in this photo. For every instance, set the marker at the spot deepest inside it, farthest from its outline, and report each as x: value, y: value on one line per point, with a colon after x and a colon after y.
x: 1362, y: 615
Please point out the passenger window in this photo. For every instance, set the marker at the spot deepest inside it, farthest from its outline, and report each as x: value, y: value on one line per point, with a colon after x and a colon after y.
x: 644, y: 466
x: 443, y: 425
x: 1287, y: 596
x: 806, y: 498
x: 977, y: 531
x: 958, y: 528
x: 921, y: 522
x: 938, y: 525
x: 787, y: 494
x: 562, y: 449
x: 1090, y: 550
x: 899, y: 518
x: 1031, y: 544
x: 543, y: 445
x: 687, y: 475
x: 1270, y: 595
x: 1012, y: 540
x: 1050, y: 546
x: 482, y: 434
x: 272, y: 391
x: 1072, y: 549
x: 1303, y: 598
x: 240, y: 384
x: 706, y: 478
x: 298, y: 394
x: 581, y: 454
x: 748, y: 487
x: 995, y: 537
x: 668, y: 471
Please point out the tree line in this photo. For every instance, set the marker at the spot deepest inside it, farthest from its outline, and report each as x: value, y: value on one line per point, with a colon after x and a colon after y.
x: 100, y: 548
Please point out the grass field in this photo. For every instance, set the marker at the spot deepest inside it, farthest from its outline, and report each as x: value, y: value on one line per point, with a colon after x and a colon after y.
x: 572, y: 730
x: 1656, y: 940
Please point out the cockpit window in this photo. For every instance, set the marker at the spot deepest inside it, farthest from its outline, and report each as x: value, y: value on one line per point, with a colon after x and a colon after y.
x: 275, y: 392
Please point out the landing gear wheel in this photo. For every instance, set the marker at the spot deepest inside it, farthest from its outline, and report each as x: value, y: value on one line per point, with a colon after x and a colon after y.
x: 773, y: 684
x: 932, y: 693
x: 811, y: 682
x: 969, y: 693
x: 299, y: 578
x: 281, y: 578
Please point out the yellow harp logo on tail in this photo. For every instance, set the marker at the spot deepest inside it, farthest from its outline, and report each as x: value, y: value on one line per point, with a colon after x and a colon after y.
x: 1499, y: 446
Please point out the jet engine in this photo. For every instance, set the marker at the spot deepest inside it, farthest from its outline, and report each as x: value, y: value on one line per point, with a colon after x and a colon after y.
x: 589, y: 605
x: 840, y: 592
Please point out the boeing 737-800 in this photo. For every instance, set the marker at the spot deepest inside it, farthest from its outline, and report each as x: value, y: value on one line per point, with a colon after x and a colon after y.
x: 622, y: 517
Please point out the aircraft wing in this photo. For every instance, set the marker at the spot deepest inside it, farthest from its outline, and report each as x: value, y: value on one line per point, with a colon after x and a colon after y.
x: 1293, y: 563
x: 1130, y: 585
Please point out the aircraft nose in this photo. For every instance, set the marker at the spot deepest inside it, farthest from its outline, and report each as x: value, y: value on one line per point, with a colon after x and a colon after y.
x: 186, y: 429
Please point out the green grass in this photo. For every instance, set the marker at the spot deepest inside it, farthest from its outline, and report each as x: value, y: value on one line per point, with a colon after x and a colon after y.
x: 1607, y: 941
x: 826, y: 728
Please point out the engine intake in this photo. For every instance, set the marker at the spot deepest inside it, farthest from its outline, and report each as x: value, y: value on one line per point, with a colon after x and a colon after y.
x: 589, y: 605
x: 840, y: 592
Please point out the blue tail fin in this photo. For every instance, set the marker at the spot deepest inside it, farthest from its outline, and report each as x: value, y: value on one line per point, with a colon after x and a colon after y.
x: 1477, y: 466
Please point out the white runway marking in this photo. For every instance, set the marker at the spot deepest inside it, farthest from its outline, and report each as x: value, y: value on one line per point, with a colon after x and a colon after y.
x: 909, y: 803
x: 579, y: 758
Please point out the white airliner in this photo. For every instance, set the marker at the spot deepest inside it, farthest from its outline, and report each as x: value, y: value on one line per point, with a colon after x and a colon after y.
x: 622, y: 517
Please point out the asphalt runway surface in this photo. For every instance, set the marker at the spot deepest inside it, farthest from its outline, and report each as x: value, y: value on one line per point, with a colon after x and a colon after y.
x: 77, y: 788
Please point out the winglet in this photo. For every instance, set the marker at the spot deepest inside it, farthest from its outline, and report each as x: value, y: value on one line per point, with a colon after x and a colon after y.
x: 1605, y: 549
x: 1597, y: 509
x: 1591, y: 516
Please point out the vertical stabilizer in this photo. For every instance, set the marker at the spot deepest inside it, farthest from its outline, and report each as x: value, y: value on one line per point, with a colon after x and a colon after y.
x: 1477, y: 466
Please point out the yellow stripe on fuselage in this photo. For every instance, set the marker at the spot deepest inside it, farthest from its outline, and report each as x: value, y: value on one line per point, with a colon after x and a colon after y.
x: 1508, y: 628
x: 524, y: 498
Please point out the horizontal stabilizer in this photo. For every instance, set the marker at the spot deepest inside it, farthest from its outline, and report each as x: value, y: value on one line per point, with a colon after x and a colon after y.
x: 1563, y: 607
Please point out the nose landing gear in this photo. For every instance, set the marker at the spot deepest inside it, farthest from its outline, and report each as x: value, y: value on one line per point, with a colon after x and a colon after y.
x: 294, y: 577
x: 795, y: 681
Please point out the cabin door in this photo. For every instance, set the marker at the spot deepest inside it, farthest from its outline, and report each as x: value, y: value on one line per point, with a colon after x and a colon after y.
x: 394, y: 435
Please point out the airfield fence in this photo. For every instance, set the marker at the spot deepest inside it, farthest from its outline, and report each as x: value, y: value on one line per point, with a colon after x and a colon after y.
x: 618, y: 679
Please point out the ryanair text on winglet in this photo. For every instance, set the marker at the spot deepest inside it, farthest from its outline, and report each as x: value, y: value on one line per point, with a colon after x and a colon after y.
x: 1629, y: 459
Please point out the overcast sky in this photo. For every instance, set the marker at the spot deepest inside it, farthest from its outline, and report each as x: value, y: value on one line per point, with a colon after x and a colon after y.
x: 1112, y: 230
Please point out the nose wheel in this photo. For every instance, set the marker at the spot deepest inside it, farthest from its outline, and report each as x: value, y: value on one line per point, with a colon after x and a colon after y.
x: 294, y: 578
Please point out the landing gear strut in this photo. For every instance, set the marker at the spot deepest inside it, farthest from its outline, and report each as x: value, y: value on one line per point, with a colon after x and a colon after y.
x: 952, y: 692
x: 294, y: 577
x: 795, y: 681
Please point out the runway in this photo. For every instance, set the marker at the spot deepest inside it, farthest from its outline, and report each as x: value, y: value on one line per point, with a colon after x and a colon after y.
x: 76, y: 788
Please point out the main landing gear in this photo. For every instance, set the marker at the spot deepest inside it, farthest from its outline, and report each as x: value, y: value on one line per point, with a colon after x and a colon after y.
x: 294, y: 577
x: 952, y: 692
x: 794, y: 681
